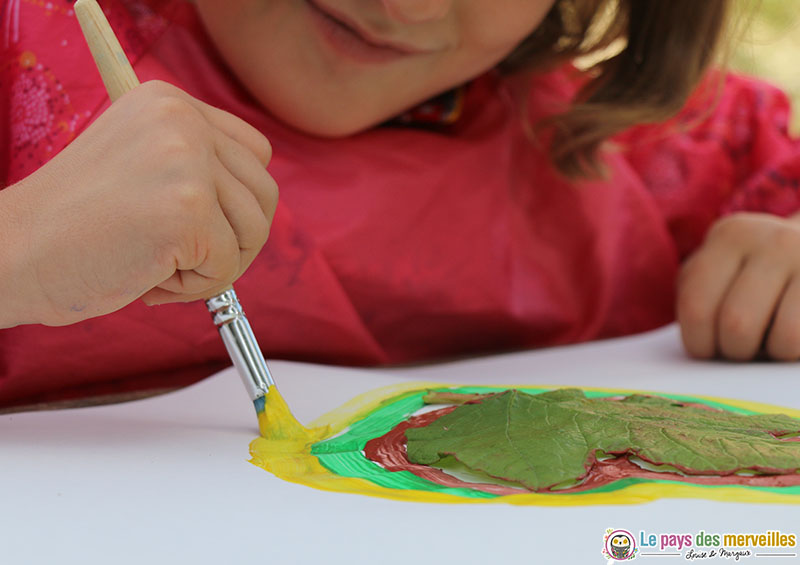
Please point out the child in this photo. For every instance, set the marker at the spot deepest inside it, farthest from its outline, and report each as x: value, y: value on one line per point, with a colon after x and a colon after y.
x: 439, y: 196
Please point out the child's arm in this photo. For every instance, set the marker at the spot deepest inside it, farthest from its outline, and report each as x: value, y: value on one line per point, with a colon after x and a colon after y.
x: 741, y: 289
x: 163, y: 198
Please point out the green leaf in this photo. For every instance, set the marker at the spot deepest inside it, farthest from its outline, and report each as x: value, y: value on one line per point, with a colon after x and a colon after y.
x: 551, y: 439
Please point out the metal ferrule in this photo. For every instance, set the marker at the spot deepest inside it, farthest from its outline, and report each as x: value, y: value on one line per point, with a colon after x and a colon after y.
x: 239, y: 340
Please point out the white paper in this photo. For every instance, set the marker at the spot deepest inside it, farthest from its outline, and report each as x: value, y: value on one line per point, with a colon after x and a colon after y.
x: 167, y: 479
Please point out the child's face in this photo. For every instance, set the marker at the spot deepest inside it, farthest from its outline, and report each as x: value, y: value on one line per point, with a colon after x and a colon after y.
x: 334, y: 67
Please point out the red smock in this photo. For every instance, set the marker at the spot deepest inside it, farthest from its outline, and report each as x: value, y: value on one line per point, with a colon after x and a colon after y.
x: 400, y: 244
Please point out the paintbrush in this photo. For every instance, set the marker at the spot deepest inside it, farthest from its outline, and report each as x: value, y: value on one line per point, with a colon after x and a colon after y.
x: 227, y: 313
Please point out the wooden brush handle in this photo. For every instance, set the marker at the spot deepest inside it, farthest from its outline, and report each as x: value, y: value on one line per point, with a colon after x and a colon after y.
x: 114, y: 67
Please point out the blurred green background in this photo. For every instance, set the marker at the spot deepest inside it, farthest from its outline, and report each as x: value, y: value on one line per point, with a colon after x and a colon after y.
x: 766, y: 37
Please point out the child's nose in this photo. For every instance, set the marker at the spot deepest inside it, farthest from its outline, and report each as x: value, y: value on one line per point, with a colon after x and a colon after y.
x: 416, y: 11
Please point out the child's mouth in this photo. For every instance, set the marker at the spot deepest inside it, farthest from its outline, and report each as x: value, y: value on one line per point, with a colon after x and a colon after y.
x: 346, y: 39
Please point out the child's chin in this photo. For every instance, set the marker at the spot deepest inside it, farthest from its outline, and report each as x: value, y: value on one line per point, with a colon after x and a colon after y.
x: 330, y: 121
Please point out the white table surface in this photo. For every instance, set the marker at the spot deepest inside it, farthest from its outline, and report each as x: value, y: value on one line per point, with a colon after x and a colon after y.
x: 167, y: 479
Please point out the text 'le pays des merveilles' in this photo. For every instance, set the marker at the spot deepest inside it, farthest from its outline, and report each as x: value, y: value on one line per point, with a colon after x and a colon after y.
x: 771, y: 538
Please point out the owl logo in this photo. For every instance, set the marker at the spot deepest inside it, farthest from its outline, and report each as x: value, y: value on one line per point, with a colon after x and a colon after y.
x: 619, y: 545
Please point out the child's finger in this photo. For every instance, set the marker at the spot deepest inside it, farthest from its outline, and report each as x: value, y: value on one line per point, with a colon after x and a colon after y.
x: 213, y: 263
x: 250, y: 173
x: 157, y: 295
x: 237, y: 129
x: 702, y: 286
x: 226, y: 122
x: 783, y: 341
x: 244, y: 214
x: 748, y: 307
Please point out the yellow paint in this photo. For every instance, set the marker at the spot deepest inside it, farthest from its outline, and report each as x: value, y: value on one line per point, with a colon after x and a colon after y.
x: 285, y: 450
x: 284, y: 446
x: 277, y: 423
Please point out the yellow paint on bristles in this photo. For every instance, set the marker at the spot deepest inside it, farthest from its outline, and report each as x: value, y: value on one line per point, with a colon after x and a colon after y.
x: 277, y: 423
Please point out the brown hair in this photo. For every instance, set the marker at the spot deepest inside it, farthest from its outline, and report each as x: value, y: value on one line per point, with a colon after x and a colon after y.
x: 668, y: 44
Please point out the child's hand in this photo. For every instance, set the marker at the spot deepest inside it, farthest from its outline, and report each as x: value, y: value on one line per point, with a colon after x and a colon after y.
x: 741, y: 290
x: 163, y: 197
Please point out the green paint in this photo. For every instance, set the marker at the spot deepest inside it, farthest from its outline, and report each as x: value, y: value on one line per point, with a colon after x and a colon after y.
x: 342, y: 454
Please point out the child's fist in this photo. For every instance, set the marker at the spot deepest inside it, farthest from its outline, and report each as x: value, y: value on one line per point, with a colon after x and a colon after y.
x: 163, y: 197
